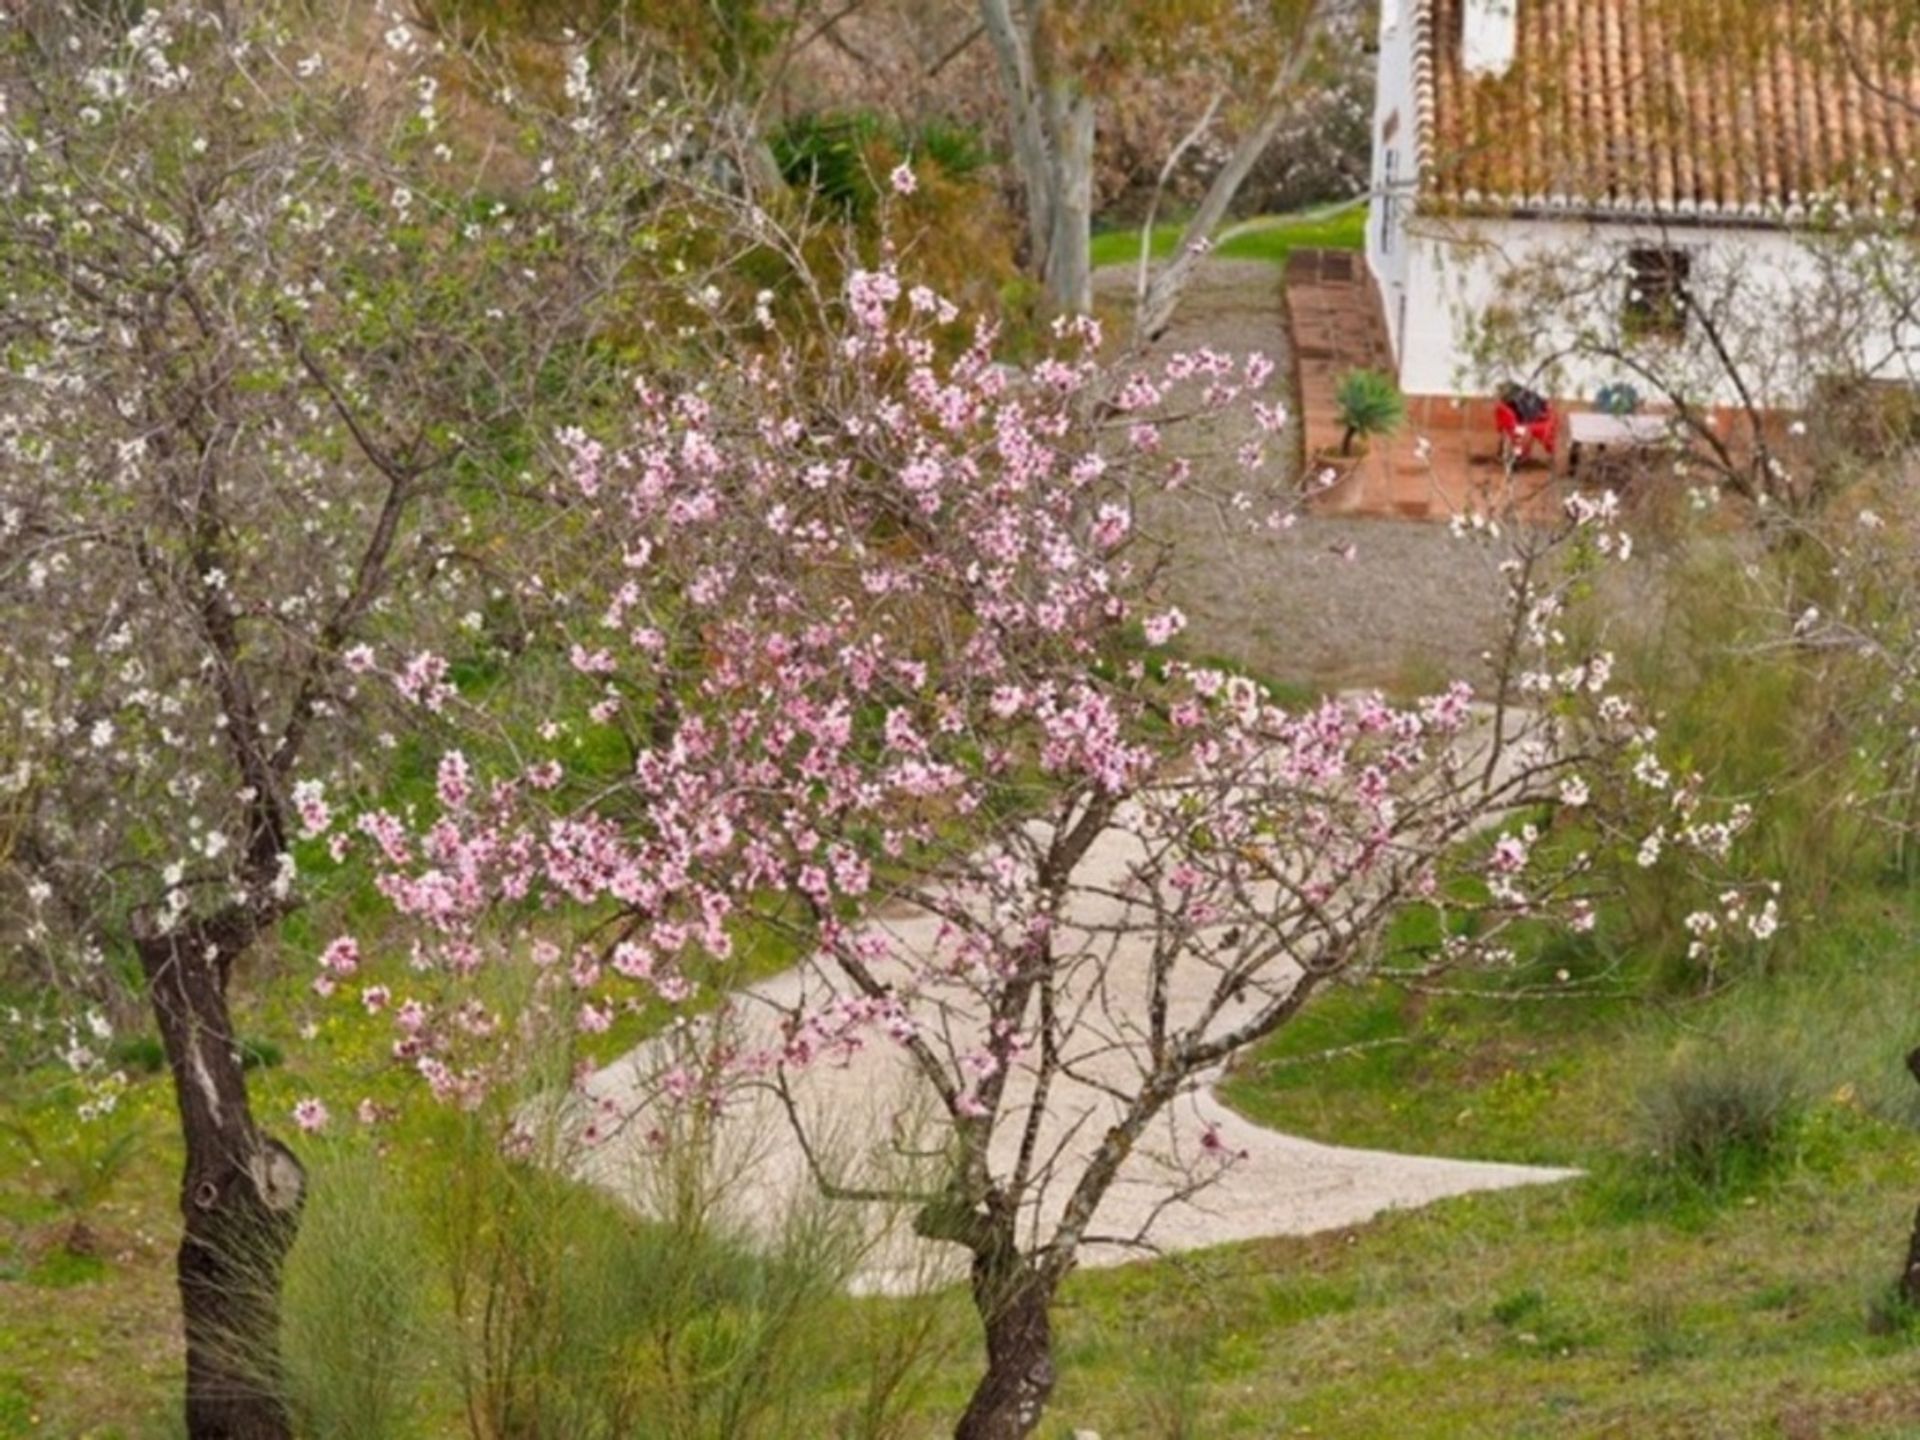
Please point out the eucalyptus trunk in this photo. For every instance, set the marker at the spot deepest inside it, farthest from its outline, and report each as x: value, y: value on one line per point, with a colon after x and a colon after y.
x: 1069, y: 260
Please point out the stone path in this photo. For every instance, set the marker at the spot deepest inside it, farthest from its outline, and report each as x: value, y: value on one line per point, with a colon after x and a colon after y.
x: 865, y: 1114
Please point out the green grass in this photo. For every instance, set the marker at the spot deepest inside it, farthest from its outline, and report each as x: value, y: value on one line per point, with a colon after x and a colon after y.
x: 1616, y: 1304
x: 1629, y: 1302
x: 1269, y: 237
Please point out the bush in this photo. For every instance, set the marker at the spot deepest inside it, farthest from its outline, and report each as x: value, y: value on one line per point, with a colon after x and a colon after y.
x: 843, y: 159
x: 1369, y: 404
x: 1720, y: 1119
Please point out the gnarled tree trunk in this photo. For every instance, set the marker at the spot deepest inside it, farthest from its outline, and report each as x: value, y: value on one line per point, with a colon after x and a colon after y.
x: 240, y: 1192
x: 1015, y: 1303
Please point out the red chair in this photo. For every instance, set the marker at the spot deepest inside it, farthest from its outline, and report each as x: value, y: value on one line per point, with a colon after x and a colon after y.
x: 1526, y: 421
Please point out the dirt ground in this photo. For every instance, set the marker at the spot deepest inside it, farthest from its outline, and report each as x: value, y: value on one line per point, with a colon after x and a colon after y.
x: 1332, y: 602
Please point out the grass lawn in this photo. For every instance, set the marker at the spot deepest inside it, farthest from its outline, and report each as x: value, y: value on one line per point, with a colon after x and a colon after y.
x: 1269, y: 237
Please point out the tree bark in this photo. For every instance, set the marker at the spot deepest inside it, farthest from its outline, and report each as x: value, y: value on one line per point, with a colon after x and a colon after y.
x: 1069, y: 260
x: 240, y: 1191
x: 1015, y: 1303
x: 1053, y: 123
x: 1910, y: 1275
x: 1013, y: 52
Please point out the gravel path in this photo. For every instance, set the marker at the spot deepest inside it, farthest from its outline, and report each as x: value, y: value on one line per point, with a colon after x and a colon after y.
x: 865, y: 1112
x: 1410, y: 607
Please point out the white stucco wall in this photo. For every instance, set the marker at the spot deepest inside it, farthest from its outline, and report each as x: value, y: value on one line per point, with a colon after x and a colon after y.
x: 1391, y: 187
x: 1768, y: 283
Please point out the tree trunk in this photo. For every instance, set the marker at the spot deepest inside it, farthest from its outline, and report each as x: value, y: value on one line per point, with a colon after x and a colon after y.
x: 1069, y: 261
x: 1053, y: 135
x: 240, y: 1192
x: 1910, y: 1276
x: 1015, y: 1305
x: 1013, y: 52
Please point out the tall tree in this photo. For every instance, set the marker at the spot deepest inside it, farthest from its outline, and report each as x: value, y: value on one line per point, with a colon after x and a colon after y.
x: 275, y: 325
x: 1057, y: 57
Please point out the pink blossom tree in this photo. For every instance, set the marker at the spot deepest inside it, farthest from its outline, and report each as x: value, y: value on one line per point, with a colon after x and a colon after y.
x: 276, y: 334
x: 878, y: 629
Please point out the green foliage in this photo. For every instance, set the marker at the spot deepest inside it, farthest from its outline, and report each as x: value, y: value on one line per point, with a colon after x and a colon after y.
x: 489, y: 1285
x: 1368, y: 403
x: 77, y: 1169
x: 843, y: 159
x: 1797, y: 730
x: 141, y: 1053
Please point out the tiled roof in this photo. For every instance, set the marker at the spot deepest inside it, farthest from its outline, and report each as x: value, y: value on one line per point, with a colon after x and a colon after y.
x: 1623, y: 107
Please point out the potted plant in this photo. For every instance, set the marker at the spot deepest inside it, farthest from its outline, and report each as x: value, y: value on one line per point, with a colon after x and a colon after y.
x: 1367, y: 404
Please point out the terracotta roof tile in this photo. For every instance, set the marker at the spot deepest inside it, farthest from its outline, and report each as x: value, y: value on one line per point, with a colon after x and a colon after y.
x: 1625, y: 107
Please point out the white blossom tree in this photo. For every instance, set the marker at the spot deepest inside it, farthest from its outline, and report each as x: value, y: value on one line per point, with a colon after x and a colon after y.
x: 287, y: 311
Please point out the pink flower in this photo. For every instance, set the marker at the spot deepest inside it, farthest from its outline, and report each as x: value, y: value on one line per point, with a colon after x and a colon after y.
x: 1162, y: 628
x: 310, y: 801
x: 310, y: 1115
x: 424, y: 681
x: 341, y: 957
x: 1509, y: 855
x: 903, y: 180
x: 455, y: 782
x: 592, y: 662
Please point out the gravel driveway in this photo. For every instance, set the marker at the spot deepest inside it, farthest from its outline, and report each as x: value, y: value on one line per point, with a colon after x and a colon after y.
x: 1410, y: 607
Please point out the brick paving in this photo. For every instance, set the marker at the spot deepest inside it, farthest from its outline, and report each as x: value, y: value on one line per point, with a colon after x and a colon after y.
x: 1444, y: 461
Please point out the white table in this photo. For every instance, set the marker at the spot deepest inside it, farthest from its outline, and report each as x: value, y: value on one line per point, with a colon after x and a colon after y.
x: 1590, y: 428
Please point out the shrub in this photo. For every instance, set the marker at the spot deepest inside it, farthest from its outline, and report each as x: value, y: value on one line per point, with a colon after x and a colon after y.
x: 1720, y: 1119
x: 843, y: 159
x: 1369, y: 404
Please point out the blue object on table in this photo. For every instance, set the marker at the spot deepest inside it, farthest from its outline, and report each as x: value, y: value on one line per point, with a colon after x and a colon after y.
x: 1619, y: 398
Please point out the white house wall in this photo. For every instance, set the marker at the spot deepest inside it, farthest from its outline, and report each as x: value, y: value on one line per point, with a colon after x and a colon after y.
x: 1395, y: 125
x: 1453, y: 270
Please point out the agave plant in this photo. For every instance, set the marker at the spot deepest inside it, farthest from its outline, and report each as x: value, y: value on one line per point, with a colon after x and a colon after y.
x: 1369, y: 404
